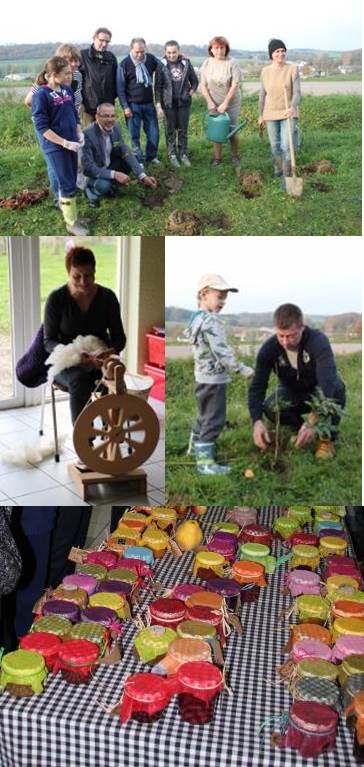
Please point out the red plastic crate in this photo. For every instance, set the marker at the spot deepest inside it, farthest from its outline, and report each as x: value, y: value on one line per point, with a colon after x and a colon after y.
x: 159, y: 378
x: 156, y: 350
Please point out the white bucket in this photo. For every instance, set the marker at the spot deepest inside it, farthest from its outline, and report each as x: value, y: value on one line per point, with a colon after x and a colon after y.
x: 138, y: 385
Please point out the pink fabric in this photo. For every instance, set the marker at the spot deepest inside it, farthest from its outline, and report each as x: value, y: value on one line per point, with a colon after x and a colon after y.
x: 347, y: 645
x: 302, y: 582
x: 312, y: 728
x: 310, y: 648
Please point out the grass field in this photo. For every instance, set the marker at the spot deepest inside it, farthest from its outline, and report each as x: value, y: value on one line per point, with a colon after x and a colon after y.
x: 301, y: 478
x: 331, y: 128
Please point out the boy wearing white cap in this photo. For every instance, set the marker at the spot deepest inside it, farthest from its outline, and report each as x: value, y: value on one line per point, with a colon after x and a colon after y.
x: 214, y: 359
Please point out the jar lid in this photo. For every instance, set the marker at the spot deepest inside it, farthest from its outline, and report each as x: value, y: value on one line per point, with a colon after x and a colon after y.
x: 204, y: 614
x: 167, y: 609
x: 91, y: 631
x: 155, y: 537
x: 99, y: 615
x: 200, y: 675
x: 122, y: 574
x: 300, y: 538
x: 349, y: 626
x: 336, y: 581
x: 302, y: 551
x: 183, y: 590
x: 303, y: 577
x: 254, y: 550
x: 209, y: 559
x: 226, y: 527
x: 311, y: 648
x: 139, y: 552
x: 348, y: 644
x: 153, y: 641
x: 42, y: 642
x: 82, y: 581
x: 143, y: 514
x: 227, y: 549
x: 107, y: 599
x: 136, y: 566
x: 61, y: 607
x: 353, y: 664
x: 285, y: 525
x: 205, y: 599
x: 52, y: 624
x: 302, y: 513
x: 310, y: 631
x: 346, y: 608
x: 319, y: 690
x: 97, y: 571
x: 196, y: 628
x: 313, y: 717
x: 164, y: 515
x: 312, y: 604
x: 78, y: 651
x: 106, y: 559
x: 333, y: 543
x: 184, y: 650
x: 125, y: 532
x: 116, y: 587
x: 227, y: 587
x: 220, y: 535
x: 247, y: 571
x: 22, y: 662
x: 257, y: 530
x: 317, y: 667
x: 146, y: 688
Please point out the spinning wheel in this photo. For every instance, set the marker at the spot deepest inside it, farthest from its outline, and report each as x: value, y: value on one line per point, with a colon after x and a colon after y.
x: 115, y: 433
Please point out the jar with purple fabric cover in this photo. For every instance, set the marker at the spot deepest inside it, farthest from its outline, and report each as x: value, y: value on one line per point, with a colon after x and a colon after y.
x: 118, y: 587
x: 82, y: 581
x: 184, y: 590
x: 348, y: 644
x: 328, y: 531
x: 302, y: 582
x: 103, y: 615
x: 310, y: 648
x: 229, y: 589
x: 106, y: 559
x: 62, y: 607
x: 224, y: 544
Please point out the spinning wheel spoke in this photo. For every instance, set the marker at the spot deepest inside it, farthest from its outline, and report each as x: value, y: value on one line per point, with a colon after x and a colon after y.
x: 113, y: 451
x: 102, y: 448
x: 98, y: 432
x: 115, y: 417
x: 138, y: 426
x: 132, y: 442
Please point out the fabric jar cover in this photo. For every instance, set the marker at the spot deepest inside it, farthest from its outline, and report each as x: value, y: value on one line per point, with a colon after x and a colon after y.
x: 342, y: 566
x: 352, y: 664
x: 157, y: 540
x: 299, y: 538
x: 122, y: 574
x: 343, y: 626
x: 242, y: 517
x: 303, y: 555
x: 226, y: 527
x: 344, y: 608
x: 102, y: 615
x: 164, y: 516
x: 62, y: 607
x: 196, y: 629
x: 310, y: 648
x: 138, y: 512
x: 97, y: 571
x: 347, y: 645
x: 135, y: 524
x: 229, y: 589
x: 256, y: 534
x: 224, y: 544
x: 201, y: 679
x: 183, y: 651
x: 285, y: 526
x: 85, y: 582
x: 137, y: 566
x: 184, y: 590
x: 153, y: 641
x: 205, y: 599
x: 116, y: 587
x: 302, y: 582
x: 317, y: 667
x: 329, y: 512
x: 310, y: 631
x: 93, y: 632
x: 209, y: 560
x: 327, y: 525
x: 52, y: 624
x: 106, y: 559
x: 77, y: 659
x: 124, y: 535
x: 346, y: 593
x: 71, y: 593
x: 335, y: 582
x: 201, y: 613
x: 115, y: 544
x: 145, y: 694
x: 115, y: 602
x: 354, y: 684
x: 311, y: 606
x: 325, y: 515
x: 332, y: 545
x: 139, y: 552
x: 312, y: 728
x: 302, y: 513
x: 44, y: 643
x: 326, y: 531
x: 167, y: 612
x: 257, y: 552
x: 319, y: 690
x: 246, y: 571
x: 23, y: 668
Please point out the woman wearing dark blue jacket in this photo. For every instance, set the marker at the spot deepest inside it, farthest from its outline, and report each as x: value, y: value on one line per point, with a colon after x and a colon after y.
x: 56, y: 123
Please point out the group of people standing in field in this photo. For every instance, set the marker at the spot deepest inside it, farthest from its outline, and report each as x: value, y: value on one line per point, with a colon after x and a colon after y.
x: 73, y: 107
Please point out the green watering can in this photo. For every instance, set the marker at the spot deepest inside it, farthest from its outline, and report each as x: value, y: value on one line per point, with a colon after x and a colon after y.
x: 218, y: 127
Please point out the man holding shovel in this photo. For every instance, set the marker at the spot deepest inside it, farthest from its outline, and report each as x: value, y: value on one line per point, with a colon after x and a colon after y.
x: 280, y: 94
x: 303, y: 361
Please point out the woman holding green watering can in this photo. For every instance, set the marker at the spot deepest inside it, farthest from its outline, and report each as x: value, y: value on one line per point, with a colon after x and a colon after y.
x: 220, y: 87
x: 278, y: 80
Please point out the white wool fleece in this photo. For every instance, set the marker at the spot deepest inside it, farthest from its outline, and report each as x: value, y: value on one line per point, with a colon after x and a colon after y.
x: 69, y: 355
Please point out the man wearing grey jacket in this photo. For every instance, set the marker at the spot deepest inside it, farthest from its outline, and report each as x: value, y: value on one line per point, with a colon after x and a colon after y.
x: 107, y: 161
x: 214, y: 360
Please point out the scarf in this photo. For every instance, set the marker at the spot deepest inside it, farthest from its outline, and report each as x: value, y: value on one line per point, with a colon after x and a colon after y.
x: 142, y: 75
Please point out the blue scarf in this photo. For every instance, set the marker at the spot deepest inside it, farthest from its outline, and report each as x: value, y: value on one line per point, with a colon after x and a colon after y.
x: 142, y: 75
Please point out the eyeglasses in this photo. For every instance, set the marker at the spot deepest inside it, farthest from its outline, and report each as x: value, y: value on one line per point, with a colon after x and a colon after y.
x: 103, y: 40
x: 102, y: 114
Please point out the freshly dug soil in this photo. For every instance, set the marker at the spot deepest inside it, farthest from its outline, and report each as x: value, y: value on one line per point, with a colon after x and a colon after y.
x: 23, y: 199
x: 168, y: 183
x: 184, y: 222
x: 320, y: 187
x: 251, y: 183
x: 317, y: 166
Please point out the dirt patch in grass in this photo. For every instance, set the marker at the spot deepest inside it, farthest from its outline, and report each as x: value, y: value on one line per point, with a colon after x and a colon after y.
x: 24, y: 199
x: 317, y: 166
x: 251, y: 183
x: 185, y: 222
x: 168, y: 183
x: 319, y: 186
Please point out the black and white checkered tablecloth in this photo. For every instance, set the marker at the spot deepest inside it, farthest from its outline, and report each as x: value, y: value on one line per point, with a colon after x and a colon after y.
x: 65, y: 725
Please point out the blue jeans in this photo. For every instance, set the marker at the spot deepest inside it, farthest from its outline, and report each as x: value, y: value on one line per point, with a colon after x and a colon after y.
x: 278, y: 137
x: 53, y: 180
x: 143, y: 114
x: 64, y: 165
x: 80, y: 382
x: 99, y: 187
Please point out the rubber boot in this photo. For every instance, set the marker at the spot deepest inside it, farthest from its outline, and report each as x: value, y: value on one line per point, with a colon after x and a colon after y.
x: 277, y: 166
x: 205, y: 456
x: 68, y: 207
x: 286, y: 171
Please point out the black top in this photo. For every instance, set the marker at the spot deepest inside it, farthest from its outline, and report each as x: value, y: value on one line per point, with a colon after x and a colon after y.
x: 315, y: 367
x: 98, y: 70
x: 64, y: 320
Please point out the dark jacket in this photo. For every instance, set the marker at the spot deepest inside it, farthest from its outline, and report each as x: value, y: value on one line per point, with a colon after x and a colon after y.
x: 163, y: 83
x: 128, y: 89
x: 54, y: 110
x: 93, y: 154
x: 98, y: 78
x: 315, y: 368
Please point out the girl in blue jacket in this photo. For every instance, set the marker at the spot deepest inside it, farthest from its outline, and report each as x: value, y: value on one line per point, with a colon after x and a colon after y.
x: 56, y: 123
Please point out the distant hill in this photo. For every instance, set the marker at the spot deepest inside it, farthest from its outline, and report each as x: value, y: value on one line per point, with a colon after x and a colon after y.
x: 328, y: 323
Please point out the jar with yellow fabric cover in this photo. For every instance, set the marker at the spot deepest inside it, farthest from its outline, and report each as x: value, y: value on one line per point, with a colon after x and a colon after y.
x: 304, y: 556
x: 208, y: 564
x: 330, y: 545
x: 285, y: 526
x: 151, y: 643
x: 157, y: 540
x: 23, y: 673
x: 312, y: 609
x: 342, y: 626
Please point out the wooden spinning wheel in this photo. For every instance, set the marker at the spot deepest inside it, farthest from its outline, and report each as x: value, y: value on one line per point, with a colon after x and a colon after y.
x: 115, y: 433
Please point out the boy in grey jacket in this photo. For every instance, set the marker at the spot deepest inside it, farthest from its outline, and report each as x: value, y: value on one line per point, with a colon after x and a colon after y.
x: 214, y: 359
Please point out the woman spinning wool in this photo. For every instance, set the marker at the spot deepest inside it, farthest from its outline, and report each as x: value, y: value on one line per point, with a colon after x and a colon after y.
x: 82, y: 307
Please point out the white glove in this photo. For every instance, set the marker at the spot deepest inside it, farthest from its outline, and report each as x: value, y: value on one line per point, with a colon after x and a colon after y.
x: 81, y: 138
x: 73, y: 146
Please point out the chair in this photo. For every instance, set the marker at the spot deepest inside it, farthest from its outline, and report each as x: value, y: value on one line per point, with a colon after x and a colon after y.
x: 54, y: 387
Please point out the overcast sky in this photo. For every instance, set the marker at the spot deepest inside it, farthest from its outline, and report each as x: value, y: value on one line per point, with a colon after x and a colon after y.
x: 323, y: 275
x: 328, y: 24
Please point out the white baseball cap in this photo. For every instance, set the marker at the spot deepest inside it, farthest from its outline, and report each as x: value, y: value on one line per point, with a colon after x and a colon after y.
x: 216, y: 282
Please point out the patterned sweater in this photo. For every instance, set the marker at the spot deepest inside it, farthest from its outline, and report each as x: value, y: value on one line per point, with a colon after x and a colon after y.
x: 214, y: 358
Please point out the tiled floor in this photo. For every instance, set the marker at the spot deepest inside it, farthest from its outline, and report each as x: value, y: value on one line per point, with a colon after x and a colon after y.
x: 48, y: 483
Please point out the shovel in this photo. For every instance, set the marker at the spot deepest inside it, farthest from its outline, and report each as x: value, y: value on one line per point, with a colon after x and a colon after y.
x: 294, y: 185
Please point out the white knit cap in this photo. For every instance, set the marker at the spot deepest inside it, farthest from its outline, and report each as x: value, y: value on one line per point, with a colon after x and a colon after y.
x: 216, y: 282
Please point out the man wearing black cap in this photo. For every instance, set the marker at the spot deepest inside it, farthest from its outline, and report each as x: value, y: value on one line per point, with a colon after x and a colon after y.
x: 276, y: 78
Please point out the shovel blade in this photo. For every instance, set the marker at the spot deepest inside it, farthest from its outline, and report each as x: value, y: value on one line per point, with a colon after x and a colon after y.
x: 294, y: 186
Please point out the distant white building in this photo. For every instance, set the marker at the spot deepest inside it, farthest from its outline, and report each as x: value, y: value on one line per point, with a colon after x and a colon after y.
x: 16, y: 77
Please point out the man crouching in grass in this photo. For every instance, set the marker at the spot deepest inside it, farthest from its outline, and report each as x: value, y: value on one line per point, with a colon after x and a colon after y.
x: 303, y: 361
